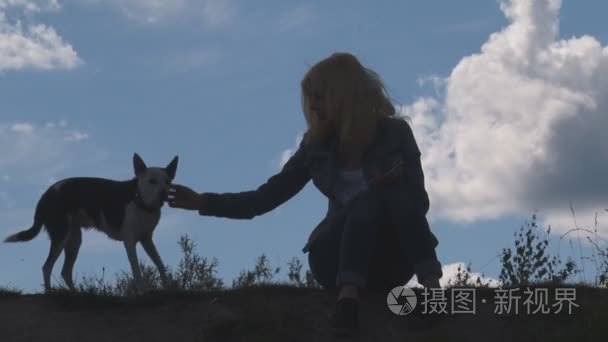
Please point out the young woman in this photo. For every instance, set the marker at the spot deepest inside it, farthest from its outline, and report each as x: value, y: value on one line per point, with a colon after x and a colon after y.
x: 375, y: 235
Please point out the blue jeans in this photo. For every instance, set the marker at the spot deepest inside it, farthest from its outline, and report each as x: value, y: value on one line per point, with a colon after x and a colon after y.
x: 374, y: 242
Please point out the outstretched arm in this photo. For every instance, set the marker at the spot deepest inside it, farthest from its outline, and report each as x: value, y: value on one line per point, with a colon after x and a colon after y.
x: 247, y: 204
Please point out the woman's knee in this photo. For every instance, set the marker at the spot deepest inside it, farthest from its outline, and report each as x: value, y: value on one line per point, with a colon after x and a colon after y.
x: 323, y: 267
x: 324, y: 257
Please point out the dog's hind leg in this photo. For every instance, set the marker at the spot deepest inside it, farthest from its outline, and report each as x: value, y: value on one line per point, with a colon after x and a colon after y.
x: 72, y: 246
x: 47, y: 268
x: 57, y: 230
x: 150, y: 249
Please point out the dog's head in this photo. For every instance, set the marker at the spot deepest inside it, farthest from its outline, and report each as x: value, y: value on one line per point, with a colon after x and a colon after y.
x: 153, y: 182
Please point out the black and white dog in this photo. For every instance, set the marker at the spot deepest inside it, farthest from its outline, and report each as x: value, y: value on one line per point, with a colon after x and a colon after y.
x: 126, y: 211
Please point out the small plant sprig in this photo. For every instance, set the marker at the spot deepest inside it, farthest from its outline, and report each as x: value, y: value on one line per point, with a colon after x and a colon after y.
x: 530, y: 262
x: 262, y: 274
x: 464, y: 278
x: 295, y: 275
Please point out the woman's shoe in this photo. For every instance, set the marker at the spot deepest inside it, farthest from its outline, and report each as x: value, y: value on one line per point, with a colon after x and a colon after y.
x: 345, y: 320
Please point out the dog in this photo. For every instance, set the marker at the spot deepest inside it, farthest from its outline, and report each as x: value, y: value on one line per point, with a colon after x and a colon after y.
x: 126, y: 211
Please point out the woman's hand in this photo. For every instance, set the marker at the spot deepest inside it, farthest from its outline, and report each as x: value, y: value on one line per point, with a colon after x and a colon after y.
x: 184, y: 198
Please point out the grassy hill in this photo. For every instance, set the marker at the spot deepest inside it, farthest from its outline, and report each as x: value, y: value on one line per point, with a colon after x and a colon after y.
x: 282, y: 313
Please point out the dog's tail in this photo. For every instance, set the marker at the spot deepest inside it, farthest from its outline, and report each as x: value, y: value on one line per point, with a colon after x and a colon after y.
x: 26, y: 235
x: 34, y: 230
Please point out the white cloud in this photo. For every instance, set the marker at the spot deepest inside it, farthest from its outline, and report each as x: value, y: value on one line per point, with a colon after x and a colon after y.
x: 75, y: 136
x: 583, y: 224
x: 213, y: 14
x: 295, y: 17
x: 151, y: 10
x: 450, y: 273
x: 31, y: 153
x: 22, y: 127
x: 286, y: 154
x: 32, y: 46
x: 519, y: 125
x: 30, y: 6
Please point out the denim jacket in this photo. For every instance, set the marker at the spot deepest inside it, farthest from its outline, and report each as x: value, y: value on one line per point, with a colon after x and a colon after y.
x: 394, y: 140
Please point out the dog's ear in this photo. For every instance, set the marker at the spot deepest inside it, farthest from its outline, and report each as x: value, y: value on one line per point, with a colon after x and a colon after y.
x: 138, y: 165
x: 172, y: 168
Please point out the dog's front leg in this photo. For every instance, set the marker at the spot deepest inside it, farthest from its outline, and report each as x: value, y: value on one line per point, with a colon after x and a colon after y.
x: 130, y: 246
x: 150, y: 249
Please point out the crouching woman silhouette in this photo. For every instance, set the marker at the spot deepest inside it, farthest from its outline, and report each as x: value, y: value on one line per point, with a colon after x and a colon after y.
x: 358, y: 153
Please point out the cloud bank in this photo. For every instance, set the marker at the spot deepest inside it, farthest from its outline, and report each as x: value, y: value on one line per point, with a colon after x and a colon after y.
x: 519, y: 126
x: 32, y: 45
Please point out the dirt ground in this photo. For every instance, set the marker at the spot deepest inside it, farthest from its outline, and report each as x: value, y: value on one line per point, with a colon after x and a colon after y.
x: 283, y: 314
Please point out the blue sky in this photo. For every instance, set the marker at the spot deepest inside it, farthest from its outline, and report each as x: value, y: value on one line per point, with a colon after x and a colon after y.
x: 507, y: 100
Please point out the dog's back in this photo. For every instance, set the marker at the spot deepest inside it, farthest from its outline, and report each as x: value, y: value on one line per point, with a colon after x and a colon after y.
x: 88, y: 200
